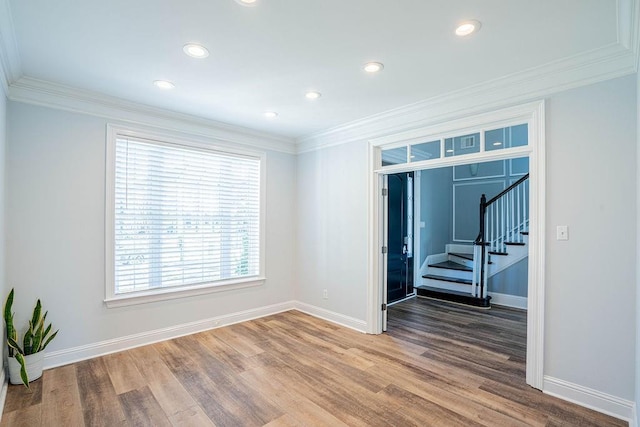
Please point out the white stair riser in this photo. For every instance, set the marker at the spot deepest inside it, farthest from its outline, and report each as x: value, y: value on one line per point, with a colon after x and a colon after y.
x: 501, y: 262
x: 450, y: 286
x: 459, y: 248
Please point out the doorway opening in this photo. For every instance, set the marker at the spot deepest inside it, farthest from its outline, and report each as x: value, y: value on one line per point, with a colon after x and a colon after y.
x: 440, y: 146
x: 447, y: 204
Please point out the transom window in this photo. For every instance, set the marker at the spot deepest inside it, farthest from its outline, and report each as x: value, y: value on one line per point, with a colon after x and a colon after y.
x: 438, y: 148
x: 182, y: 217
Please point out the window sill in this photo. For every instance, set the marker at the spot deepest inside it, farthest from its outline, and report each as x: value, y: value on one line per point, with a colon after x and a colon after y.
x: 161, y: 294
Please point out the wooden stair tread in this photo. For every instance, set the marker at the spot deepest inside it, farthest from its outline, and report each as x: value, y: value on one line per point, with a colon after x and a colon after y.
x: 461, y: 255
x: 498, y: 253
x: 515, y: 243
x: 524, y: 233
x: 451, y: 265
x: 447, y: 279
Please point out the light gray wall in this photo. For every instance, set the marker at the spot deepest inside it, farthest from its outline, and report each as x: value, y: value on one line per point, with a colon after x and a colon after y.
x: 468, y: 192
x: 638, y: 249
x: 3, y: 145
x: 590, y: 279
x: 332, y: 228
x: 436, y: 202
x: 512, y: 280
x: 55, y: 229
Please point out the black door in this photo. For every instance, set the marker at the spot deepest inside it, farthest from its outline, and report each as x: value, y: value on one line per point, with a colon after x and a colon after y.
x: 400, y: 252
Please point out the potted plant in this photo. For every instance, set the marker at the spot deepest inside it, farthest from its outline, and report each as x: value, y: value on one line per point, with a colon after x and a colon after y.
x: 25, y: 362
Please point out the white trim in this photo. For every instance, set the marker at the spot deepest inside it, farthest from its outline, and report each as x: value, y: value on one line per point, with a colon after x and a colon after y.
x: 53, y: 95
x: 586, y: 68
x: 536, y: 279
x: 637, y: 319
x: 487, y: 120
x: 76, y: 354
x: 10, y: 64
x: 375, y: 274
x: 590, y: 398
x: 332, y: 316
x: 487, y: 156
x: 164, y: 294
x: 507, y: 300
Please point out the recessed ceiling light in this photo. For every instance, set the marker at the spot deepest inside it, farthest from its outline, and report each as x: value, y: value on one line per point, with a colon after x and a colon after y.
x: 270, y: 114
x: 312, y: 94
x: 247, y: 2
x: 497, y: 143
x: 467, y: 27
x: 373, y: 67
x: 195, y: 50
x: 449, y: 150
x: 163, y: 84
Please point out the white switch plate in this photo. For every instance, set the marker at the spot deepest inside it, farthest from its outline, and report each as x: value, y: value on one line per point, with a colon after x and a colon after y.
x: 562, y: 232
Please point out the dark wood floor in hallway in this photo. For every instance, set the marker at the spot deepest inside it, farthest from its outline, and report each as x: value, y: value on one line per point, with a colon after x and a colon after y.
x: 439, y: 364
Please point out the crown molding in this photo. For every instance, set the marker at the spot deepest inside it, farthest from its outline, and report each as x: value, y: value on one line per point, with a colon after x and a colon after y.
x: 584, y: 69
x: 10, y: 64
x: 607, y: 62
x: 53, y: 95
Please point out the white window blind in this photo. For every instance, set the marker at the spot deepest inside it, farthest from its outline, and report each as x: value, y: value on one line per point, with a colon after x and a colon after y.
x: 183, y: 216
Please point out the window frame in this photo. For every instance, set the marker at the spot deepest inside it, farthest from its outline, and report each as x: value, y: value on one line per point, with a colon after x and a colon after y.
x: 112, y: 299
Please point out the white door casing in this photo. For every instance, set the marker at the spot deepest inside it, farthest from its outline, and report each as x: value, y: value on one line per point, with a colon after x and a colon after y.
x: 533, y: 114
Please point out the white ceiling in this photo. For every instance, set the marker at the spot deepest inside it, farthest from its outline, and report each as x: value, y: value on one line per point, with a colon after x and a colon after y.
x: 266, y: 57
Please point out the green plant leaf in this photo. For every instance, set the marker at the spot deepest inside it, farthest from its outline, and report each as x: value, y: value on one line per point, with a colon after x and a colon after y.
x: 36, y: 313
x: 46, y: 331
x: 37, y: 340
x: 8, y: 320
x: 46, y: 343
x: 23, y: 370
x: 8, y: 305
x: 14, y: 345
x: 27, y: 341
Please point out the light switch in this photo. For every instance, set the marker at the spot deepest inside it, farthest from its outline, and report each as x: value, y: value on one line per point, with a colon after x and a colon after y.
x: 562, y: 232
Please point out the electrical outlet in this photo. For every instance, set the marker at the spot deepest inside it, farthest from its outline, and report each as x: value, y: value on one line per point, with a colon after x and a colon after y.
x: 562, y: 232
x: 325, y: 294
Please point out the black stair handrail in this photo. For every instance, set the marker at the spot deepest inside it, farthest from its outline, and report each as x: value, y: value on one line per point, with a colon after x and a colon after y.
x: 481, y: 240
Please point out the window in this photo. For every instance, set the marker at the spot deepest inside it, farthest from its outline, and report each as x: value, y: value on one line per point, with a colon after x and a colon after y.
x: 181, y: 217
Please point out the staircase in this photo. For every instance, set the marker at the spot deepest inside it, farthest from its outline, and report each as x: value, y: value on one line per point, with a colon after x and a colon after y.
x: 461, y: 273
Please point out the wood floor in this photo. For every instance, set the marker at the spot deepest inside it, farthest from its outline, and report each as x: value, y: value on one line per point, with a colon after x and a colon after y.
x: 439, y: 364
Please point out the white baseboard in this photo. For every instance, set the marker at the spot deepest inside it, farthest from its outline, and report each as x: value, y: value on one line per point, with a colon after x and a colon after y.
x: 331, y: 316
x: 508, y: 300
x: 592, y: 399
x: 76, y: 354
